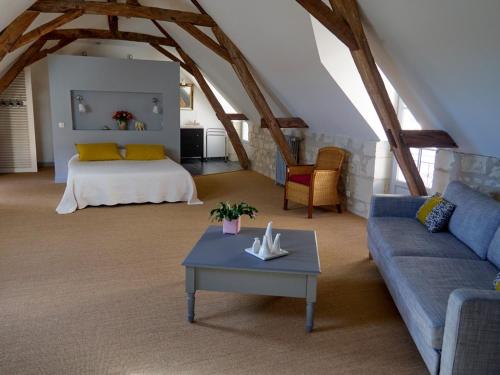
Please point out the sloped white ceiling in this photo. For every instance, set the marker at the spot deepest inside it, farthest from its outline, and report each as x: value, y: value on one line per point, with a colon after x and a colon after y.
x: 442, y: 56
x: 448, y: 52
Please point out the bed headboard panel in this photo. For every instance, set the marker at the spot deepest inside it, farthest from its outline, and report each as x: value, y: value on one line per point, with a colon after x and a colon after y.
x: 120, y: 85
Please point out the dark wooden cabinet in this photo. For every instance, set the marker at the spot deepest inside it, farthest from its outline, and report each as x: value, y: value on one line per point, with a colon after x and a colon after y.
x: 192, y: 142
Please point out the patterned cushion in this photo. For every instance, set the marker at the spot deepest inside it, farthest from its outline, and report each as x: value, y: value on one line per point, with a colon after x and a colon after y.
x: 496, y: 283
x: 303, y: 179
x: 427, y: 207
x: 440, y: 215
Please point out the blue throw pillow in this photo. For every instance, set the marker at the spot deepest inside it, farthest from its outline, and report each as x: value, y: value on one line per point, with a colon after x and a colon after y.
x: 439, y: 217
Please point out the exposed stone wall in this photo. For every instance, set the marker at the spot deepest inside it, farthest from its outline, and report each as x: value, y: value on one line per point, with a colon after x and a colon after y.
x: 479, y: 172
x: 366, y: 171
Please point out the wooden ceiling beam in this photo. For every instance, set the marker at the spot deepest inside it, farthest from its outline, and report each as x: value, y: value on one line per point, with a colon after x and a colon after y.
x: 287, y: 123
x: 122, y: 10
x: 237, y: 116
x: 47, y: 28
x: 375, y: 87
x: 112, y: 20
x: 251, y: 87
x: 23, y: 61
x: 11, y: 33
x: 47, y: 51
x: 224, y: 118
x: 198, y: 6
x: 332, y: 20
x: 246, y: 78
x: 172, y: 57
x: 219, y: 110
x: 113, y: 24
x: 204, y: 39
x: 427, y: 138
x: 106, y: 34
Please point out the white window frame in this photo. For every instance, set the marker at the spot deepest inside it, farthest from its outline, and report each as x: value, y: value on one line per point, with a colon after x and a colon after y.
x: 398, y: 186
x: 245, y: 131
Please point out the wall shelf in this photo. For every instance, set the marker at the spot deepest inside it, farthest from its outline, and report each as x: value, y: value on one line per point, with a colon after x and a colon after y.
x: 100, y: 106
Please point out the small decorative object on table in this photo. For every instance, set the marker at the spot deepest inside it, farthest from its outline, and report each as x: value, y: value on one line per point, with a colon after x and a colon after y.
x: 122, y: 118
x: 267, y: 249
x: 496, y: 283
x: 139, y: 126
x: 230, y: 215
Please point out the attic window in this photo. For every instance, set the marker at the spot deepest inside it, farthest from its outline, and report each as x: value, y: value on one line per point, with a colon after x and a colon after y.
x: 244, y: 131
x: 425, y: 158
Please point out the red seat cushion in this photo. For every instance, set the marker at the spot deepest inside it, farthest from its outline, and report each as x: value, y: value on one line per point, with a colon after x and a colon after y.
x: 303, y: 179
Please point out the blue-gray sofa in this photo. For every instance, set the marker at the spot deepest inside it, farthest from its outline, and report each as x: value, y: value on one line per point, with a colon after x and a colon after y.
x: 442, y: 283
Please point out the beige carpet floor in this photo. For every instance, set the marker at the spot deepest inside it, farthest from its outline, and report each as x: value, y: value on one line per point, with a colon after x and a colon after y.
x: 101, y: 291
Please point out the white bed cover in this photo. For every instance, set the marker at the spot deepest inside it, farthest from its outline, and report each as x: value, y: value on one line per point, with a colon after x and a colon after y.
x: 125, y: 181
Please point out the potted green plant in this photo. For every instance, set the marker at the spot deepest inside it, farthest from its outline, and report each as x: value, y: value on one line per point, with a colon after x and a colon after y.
x: 230, y: 215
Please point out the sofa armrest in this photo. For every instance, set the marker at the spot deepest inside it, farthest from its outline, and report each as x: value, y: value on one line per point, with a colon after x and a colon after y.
x: 471, y: 342
x: 395, y: 205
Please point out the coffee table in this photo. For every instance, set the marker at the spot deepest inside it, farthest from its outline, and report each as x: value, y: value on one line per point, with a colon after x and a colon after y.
x: 218, y: 262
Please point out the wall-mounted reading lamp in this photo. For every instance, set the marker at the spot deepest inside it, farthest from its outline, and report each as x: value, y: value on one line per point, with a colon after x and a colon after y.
x: 156, y: 106
x: 81, y: 106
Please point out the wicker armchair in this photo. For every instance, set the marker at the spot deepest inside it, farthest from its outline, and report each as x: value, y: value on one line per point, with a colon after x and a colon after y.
x: 316, y: 185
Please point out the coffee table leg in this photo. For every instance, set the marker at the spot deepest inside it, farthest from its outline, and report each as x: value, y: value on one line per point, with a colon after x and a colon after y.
x: 190, y: 307
x: 310, y: 316
x: 190, y: 291
x: 311, y: 301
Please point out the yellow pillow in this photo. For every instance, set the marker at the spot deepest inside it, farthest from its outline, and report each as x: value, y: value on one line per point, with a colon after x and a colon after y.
x: 144, y: 152
x: 427, y: 207
x: 98, y: 151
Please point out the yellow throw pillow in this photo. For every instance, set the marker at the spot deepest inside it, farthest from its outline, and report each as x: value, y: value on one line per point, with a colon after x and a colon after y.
x: 427, y: 207
x: 98, y: 151
x: 144, y: 152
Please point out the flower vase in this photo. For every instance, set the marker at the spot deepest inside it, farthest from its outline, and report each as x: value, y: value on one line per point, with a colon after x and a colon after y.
x: 231, y: 226
x: 122, y: 125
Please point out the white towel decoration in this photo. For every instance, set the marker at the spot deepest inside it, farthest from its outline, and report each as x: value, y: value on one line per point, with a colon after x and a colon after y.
x: 256, y: 245
x: 267, y: 249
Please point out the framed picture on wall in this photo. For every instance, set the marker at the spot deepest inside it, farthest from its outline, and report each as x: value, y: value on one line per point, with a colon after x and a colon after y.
x: 186, y: 96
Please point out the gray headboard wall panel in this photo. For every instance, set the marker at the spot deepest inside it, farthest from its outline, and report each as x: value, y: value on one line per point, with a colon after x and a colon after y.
x: 73, y: 73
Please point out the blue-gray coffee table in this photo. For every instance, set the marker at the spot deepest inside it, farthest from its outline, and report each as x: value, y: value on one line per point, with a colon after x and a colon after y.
x: 218, y: 262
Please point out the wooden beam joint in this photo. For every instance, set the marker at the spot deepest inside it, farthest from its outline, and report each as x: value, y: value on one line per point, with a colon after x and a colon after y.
x: 287, y: 123
x: 106, y: 34
x: 130, y: 9
x: 427, y: 138
x: 237, y: 116
x: 332, y: 20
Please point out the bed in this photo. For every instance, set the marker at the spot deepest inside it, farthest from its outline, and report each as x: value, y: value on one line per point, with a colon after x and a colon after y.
x: 125, y: 181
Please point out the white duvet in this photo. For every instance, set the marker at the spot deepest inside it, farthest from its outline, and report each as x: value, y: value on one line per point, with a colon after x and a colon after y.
x: 125, y: 181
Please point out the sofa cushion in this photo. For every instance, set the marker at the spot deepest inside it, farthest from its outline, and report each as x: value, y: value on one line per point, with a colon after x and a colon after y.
x: 425, y: 285
x: 438, y: 218
x: 475, y: 219
x: 427, y: 207
x: 397, y: 236
x: 494, y: 249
